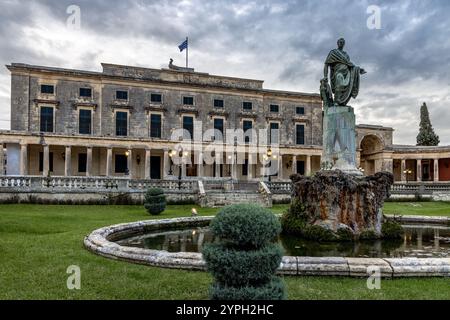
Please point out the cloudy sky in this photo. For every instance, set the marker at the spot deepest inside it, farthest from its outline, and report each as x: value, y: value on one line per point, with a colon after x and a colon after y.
x: 281, y: 42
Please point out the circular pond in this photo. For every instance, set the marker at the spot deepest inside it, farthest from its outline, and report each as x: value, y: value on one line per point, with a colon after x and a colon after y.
x: 177, y: 243
x: 420, y: 241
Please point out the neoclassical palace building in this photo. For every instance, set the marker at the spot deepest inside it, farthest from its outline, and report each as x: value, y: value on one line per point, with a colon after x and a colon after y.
x: 121, y: 123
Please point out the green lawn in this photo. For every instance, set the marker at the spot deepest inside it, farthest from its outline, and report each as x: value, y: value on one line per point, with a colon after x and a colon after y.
x: 38, y: 243
x: 418, y: 208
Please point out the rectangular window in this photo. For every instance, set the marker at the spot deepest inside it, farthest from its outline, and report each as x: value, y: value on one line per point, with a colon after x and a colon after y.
x: 274, y: 133
x: 46, y: 119
x: 121, y: 163
x: 155, y: 125
x: 247, y: 106
x: 218, y: 103
x: 82, y: 162
x: 156, y: 98
x: 188, y: 101
x: 274, y: 108
x: 245, y: 168
x: 47, y: 89
x: 247, y: 126
x: 218, y: 127
x: 121, y: 124
x: 300, y: 134
x: 300, y: 110
x: 121, y: 95
x: 41, y: 161
x: 86, y: 92
x: 188, y: 126
x: 85, y: 119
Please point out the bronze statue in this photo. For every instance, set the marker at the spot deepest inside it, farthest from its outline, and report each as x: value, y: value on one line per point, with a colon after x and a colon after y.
x: 344, y: 77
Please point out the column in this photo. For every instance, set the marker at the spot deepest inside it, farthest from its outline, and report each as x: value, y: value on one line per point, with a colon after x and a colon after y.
x: 217, y: 164
x: 234, y: 168
x: 183, y: 168
x: 89, y: 162
x: 23, y: 159
x: 109, y: 154
x: 46, y: 168
x: 280, y: 167
x: 166, y: 164
x: 403, y: 168
x: 419, y: 171
x: 294, y: 164
x: 147, y: 163
x: 436, y: 170
x: 250, y: 173
x: 200, y: 165
x: 2, y: 160
x: 308, y: 171
x: 130, y: 163
x: 68, y: 162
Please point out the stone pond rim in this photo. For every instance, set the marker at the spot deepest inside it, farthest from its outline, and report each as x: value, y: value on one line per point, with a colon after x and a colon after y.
x: 101, y: 243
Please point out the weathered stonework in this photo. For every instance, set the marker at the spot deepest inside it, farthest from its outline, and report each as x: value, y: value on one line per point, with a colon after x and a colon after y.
x: 335, y: 200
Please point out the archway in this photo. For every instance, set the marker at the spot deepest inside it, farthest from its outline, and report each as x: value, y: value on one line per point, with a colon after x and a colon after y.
x: 372, y: 148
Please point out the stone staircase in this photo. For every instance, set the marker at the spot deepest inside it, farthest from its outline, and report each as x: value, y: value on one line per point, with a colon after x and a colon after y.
x: 214, y: 194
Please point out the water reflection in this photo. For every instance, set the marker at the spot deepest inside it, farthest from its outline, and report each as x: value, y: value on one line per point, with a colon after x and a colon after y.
x: 422, y: 241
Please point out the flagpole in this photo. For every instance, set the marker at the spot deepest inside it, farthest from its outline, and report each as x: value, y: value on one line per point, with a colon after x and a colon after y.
x: 187, y: 53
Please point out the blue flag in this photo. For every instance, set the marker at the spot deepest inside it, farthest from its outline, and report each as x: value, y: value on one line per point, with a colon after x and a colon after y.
x: 183, y: 46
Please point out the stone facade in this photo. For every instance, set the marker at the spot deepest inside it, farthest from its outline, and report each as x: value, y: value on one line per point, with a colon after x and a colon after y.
x: 26, y: 151
x: 57, y: 152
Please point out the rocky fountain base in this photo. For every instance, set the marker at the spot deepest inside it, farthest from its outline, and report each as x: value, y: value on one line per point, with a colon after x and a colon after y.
x: 333, y: 205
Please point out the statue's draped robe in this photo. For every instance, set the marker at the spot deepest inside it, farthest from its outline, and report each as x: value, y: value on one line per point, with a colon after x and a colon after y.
x: 344, y: 77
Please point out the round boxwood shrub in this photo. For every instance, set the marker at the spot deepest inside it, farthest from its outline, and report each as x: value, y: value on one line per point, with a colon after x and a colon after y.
x: 155, y: 201
x: 232, y: 267
x: 392, y: 230
x: 246, y: 225
x: 245, y: 260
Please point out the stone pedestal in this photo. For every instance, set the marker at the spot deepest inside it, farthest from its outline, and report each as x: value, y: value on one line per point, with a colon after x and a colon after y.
x: 339, y: 140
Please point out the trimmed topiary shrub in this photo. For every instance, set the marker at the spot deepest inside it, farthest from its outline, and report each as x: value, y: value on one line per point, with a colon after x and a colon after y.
x: 392, y: 230
x: 245, y: 261
x: 155, y: 201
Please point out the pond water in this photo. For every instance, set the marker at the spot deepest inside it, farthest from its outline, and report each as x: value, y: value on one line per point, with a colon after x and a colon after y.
x: 421, y: 241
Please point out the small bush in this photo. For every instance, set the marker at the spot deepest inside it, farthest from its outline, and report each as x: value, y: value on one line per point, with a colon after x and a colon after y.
x: 232, y: 267
x: 274, y: 290
x: 319, y: 233
x: 246, y: 225
x: 369, y: 235
x: 392, y: 230
x: 155, y: 201
x: 292, y: 225
x: 345, y: 234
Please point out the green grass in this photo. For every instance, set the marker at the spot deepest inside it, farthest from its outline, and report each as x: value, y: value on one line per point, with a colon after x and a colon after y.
x: 38, y: 243
x: 418, y: 208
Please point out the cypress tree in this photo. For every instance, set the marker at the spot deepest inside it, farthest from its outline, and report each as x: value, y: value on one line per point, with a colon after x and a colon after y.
x: 427, y: 136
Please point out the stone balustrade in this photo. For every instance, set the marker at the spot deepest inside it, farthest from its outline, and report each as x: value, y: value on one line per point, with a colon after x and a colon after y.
x: 91, y: 184
x: 280, y: 187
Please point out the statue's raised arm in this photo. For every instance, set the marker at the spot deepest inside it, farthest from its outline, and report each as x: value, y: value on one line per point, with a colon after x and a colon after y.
x: 344, y: 75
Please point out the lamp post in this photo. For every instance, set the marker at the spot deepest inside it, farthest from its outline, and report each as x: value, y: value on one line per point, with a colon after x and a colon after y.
x: 268, y: 158
x: 407, y: 172
x: 127, y: 170
x: 181, y: 156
